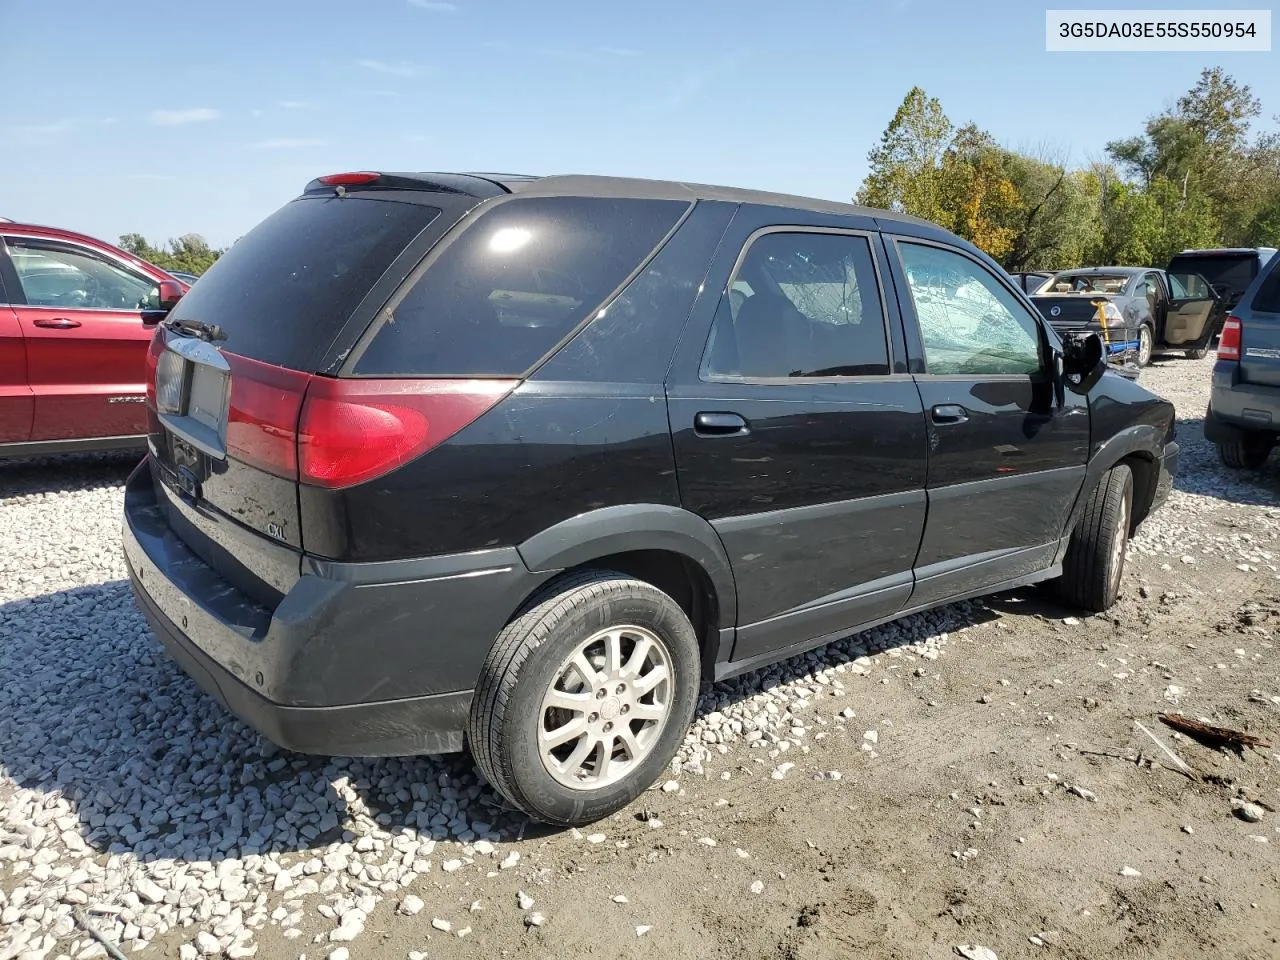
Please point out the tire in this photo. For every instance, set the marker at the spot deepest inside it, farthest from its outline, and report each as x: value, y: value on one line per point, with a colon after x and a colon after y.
x: 1094, y: 563
x: 1146, y: 345
x: 1198, y: 354
x: 532, y: 661
x: 1246, y: 451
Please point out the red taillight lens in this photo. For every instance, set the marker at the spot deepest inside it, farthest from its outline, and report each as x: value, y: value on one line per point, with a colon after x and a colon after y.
x: 154, y: 349
x: 262, y: 422
x: 354, y: 430
x: 348, y: 179
x: 1229, y: 342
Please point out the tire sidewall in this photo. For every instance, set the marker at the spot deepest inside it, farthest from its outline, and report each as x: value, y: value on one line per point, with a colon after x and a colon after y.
x: 1114, y: 566
x: 643, y: 606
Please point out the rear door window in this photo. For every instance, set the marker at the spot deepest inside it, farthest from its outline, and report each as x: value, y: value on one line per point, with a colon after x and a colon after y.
x: 513, y: 285
x: 802, y: 304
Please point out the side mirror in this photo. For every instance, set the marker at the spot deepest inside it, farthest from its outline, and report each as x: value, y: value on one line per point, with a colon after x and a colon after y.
x: 170, y: 293
x: 1082, y: 362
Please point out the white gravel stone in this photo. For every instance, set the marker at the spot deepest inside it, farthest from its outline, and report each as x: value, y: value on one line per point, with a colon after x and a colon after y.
x: 1248, y: 812
x: 444, y: 926
x: 411, y: 906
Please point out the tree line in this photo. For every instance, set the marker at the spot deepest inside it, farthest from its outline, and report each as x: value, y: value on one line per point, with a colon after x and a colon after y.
x: 189, y: 253
x: 1196, y: 176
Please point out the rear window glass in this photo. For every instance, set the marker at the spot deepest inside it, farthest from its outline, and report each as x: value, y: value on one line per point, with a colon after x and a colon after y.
x: 284, y: 290
x: 1267, y: 299
x: 1231, y: 274
x: 513, y: 285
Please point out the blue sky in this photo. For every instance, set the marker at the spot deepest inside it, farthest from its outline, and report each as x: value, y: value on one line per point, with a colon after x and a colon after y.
x: 142, y: 116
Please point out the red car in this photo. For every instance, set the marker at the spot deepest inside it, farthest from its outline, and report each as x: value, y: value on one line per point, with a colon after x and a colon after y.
x: 76, y: 318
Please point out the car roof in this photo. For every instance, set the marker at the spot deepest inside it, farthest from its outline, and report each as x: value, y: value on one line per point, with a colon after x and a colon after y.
x: 1227, y: 252
x: 39, y: 230
x: 587, y: 185
x: 1123, y: 271
x: 601, y: 186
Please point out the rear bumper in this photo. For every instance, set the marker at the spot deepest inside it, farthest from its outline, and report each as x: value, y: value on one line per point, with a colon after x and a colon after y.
x: 355, y: 660
x: 1235, y: 407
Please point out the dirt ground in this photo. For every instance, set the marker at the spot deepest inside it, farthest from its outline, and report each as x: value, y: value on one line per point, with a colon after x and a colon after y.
x: 994, y: 791
x: 962, y: 830
x: 959, y: 827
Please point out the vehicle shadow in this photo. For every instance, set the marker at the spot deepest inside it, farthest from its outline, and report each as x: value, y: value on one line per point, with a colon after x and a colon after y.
x: 67, y: 473
x: 1202, y: 473
x: 93, y: 711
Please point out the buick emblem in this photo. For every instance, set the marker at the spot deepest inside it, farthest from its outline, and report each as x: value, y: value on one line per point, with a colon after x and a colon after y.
x: 1055, y: 311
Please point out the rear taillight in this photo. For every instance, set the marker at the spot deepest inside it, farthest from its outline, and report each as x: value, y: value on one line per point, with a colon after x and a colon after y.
x: 262, y: 420
x: 1229, y: 343
x: 355, y: 430
x: 154, y: 350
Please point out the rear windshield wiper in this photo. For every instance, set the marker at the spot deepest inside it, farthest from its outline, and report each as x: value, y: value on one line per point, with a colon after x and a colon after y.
x: 195, y: 328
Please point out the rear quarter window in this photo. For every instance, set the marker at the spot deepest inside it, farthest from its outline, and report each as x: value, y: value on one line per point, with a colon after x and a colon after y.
x: 1267, y: 299
x: 512, y: 285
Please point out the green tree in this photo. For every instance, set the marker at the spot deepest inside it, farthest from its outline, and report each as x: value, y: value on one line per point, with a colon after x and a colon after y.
x: 906, y: 166
x: 189, y: 253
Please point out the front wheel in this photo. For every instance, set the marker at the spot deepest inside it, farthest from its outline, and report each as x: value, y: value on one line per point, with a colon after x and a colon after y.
x: 1146, y: 345
x: 585, y: 698
x: 1094, y: 562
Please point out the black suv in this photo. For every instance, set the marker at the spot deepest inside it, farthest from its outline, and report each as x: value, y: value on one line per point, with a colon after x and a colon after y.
x: 439, y: 459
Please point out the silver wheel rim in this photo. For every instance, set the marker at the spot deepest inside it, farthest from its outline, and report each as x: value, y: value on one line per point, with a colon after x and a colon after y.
x: 1144, y: 346
x: 606, y: 708
x: 1120, y: 541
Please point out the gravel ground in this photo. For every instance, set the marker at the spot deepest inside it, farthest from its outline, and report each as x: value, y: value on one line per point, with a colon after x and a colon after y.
x: 964, y: 779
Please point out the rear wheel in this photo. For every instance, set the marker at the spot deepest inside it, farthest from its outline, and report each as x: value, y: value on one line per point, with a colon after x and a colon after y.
x: 1094, y: 563
x: 1198, y: 354
x: 585, y: 698
x: 1246, y: 451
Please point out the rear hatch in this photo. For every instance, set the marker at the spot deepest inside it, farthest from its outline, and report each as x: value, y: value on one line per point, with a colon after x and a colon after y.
x: 1228, y: 271
x: 1260, y: 332
x: 230, y: 367
x: 345, y: 337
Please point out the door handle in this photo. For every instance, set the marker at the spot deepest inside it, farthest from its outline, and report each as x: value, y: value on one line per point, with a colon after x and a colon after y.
x: 944, y: 413
x: 720, y: 425
x: 56, y: 323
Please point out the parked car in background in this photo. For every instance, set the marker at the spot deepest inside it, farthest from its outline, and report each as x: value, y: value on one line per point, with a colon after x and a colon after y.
x: 1243, y: 418
x: 187, y: 278
x: 518, y: 462
x: 1033, y: 280
x: 76, y: 318
x: 1142, y: 309
x: 1229, y: 271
